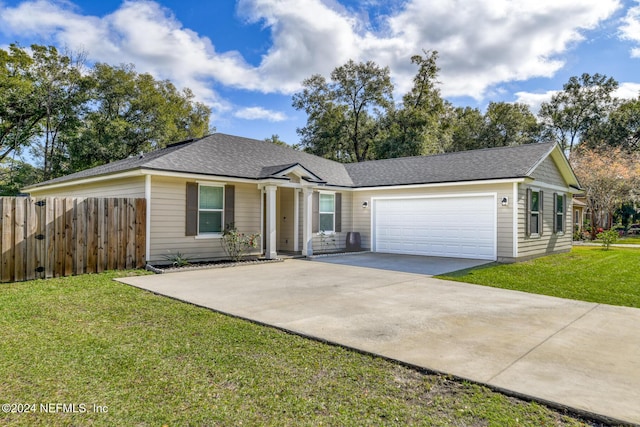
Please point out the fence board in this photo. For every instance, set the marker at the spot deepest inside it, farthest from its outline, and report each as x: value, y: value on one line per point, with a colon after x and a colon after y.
x: 50, y: 233
x: 19, y: 245
x: 69, y: 231
x: 110, y: 236
x: 121, y: 258
x: 32, y: 224
x: 7, y: 239
x: 102, y: 241
x: 141, y: 232
x: 130, y: 229
x: 81, y: 236
x: 59, y: 236
x: 92, y: 234
x: 54, y: 237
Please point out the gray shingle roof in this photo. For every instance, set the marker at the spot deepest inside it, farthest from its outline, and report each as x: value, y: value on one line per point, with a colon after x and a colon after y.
x: 474, y: 165
x: 236, y: 157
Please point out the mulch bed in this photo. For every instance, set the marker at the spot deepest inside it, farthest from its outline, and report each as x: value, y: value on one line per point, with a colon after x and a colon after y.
x: 168, y: 268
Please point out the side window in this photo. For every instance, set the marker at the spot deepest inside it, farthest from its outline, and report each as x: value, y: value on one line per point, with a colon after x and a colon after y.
x: 534, y: 213
x: 559, y: 203
x: 327, y: 213
x: 210, y: 209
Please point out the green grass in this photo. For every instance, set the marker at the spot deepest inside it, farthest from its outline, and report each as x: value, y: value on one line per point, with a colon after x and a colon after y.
x: 154, y: 361
x: 585, y: 273
x: 628, y: 241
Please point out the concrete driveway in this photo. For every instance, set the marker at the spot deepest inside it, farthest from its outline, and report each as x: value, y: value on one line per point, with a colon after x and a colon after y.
x: 582, y: 355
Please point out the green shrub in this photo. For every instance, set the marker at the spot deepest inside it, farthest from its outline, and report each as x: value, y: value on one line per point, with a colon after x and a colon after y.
x: 237, y: 244
x: 608, y: 238
x: 178, y: 259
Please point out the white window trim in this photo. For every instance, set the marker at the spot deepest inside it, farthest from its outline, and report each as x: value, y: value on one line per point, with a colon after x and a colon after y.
x: 333, y: 231
x: 540, y: 222
x: 212, y: 235
x: 562, y: 197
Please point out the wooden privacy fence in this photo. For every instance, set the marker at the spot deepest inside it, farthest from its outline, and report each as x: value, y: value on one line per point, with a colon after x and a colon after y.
x: 52, y: 237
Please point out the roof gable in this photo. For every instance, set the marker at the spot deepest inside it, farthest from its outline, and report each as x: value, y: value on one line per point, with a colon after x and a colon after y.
x: 281, y: 172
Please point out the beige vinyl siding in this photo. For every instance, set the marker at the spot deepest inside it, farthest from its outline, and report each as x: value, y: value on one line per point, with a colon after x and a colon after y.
x: 124, y: 187
x: 362, y: 217
x: 300, y: 219
x: 293, y: 178
x: 547, y: 171
x: 338, y: 240
x: 546, y: 176
x: 168, y: 216
x: 548, y: 242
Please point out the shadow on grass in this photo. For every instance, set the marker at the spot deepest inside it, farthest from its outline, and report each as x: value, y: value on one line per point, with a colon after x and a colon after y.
x: 468, y: 271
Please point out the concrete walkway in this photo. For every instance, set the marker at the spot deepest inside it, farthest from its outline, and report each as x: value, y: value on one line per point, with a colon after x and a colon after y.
x: 582, y: 355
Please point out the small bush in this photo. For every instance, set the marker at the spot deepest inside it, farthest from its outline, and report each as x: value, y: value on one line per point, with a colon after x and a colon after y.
x: 608, y: 238
x: 178, y: 259
x: 237, y: 244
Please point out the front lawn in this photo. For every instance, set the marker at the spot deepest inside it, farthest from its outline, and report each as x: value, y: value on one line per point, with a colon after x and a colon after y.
x: 586, y: 273
x: 91, y: 351
x: 634, y: 240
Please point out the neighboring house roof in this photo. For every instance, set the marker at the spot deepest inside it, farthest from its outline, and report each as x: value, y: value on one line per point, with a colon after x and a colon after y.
x: 578, y: 203
x: 230, y: 156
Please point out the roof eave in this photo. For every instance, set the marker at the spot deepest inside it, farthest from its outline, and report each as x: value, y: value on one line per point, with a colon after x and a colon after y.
x: 87, y: 180
x: 509, y: 180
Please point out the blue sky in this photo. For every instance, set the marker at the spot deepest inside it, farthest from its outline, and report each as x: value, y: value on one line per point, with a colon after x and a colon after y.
x: 246, y: 58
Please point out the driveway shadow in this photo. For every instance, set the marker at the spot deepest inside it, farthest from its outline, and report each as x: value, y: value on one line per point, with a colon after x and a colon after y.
x: 417, y: 264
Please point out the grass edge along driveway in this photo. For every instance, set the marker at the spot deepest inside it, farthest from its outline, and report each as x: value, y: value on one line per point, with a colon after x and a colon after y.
x: 87, y: 342
x: 587, y: 273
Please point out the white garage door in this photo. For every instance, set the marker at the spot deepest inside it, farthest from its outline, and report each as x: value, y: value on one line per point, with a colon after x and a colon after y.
x: 459, y: 227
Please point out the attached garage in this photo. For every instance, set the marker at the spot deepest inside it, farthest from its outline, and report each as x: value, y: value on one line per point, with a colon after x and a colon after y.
x: 448, y: 226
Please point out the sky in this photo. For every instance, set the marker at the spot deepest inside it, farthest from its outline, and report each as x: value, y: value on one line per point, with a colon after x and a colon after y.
x: 245, y: 59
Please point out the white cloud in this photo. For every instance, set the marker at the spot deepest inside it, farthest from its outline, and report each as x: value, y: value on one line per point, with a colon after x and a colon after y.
x: 487, y: 43
x: 534, y: 100
x: 482, y: 44
x: 630, y: 29
x: 628, y: 90
x: 259, y: 113
x: 139, y: 32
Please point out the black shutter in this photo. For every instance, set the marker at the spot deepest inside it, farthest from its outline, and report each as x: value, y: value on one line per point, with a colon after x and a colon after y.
x: 315, y: 212
x: 564, y: 214
x: 229, y: 205
x: 191, y: 225
x: 527, y: 214
x: 338, y: 209
x: 540, y: 215
x: 555, y: 212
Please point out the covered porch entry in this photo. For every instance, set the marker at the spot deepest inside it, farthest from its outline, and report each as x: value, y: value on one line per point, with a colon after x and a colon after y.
x: 287, y: 219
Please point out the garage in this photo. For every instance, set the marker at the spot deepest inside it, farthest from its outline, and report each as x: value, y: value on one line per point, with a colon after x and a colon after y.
x: 448, y: 226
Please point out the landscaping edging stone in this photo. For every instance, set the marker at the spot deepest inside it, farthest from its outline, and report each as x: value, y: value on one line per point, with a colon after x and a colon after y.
x: 157, y: 270
x: 330, y: 254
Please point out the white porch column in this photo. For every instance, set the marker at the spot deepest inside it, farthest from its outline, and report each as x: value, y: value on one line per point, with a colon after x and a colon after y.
x: 270, y: 252
x: 296, y: 220
x: 307, y: 221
